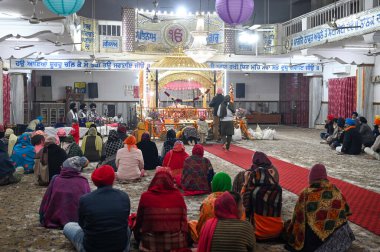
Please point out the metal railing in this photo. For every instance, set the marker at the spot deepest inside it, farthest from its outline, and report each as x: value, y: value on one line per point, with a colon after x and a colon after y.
x: 325, y: 14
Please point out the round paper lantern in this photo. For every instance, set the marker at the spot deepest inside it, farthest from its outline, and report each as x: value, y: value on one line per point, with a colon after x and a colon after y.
x: 234, y: 12
x: 63, y: 7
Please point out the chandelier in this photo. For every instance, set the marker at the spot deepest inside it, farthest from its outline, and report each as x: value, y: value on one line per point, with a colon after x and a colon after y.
x: 199, y: 51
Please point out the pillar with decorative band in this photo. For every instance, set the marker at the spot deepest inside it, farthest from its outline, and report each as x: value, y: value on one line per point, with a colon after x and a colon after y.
x: 128, y: 29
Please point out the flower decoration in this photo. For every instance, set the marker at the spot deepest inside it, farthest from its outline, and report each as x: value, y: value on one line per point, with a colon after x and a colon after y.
x: 154, y: 115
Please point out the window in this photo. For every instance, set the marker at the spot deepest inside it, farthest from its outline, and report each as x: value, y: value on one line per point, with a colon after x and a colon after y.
x: 110, y: 30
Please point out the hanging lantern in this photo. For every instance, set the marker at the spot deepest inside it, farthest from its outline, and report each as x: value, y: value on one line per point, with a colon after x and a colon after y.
x: 63, y: 7
x: 234, y: 12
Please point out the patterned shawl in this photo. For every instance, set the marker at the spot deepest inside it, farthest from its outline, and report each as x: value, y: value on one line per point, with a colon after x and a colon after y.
x: 23, y: 153
x: 323, y: 207
x: 113, y: 144
x: 263, y: 195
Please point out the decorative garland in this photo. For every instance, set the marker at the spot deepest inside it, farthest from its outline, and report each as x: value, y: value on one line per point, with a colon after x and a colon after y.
x: 189, y: 100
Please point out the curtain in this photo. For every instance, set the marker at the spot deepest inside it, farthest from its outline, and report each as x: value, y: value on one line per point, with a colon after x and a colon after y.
x: 17, y: 98
x: 342, y: 96
x: 6, y: 99
x: 1, y: 92
x: 365, y: 92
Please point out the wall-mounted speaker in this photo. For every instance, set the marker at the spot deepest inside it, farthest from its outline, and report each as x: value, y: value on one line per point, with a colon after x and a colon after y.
x: 92, y: 90
x: 240, y: 90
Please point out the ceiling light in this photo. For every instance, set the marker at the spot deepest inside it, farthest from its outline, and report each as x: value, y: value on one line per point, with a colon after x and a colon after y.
x: 248, y: 38
x: 23, y: 39
x: 358, y: 47
x: 181, y: 11
x: 254, y: 27
x: 11, y: 15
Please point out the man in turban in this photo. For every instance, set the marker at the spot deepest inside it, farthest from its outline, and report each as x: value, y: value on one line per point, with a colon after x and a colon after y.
x: 103, y: 216
x: 215, y: 103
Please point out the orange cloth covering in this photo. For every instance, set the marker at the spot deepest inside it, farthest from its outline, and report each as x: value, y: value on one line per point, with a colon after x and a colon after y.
x: 267, y: 227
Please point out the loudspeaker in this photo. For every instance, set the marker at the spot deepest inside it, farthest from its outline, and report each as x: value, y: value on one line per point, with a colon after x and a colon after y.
x: 46, y: 81
x: 92, y: 90
x: 240, y: 90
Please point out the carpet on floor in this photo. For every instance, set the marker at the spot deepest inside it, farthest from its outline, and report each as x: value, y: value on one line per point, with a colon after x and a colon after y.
x: 364, y: 204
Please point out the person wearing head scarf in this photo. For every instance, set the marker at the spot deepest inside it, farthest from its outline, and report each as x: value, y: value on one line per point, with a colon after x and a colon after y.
x: 129, y: 162
x: 190, y: 135
x: 92, y: 145
x: 38, y: 141
x: 226, y: 231
x: 161, y: 221
x: 7, y: 170
x: 139, y: 131
x: 61, y: 133
x: 215, y: 103
x: 329, y: 126
x: 197, y: 173
x: 221, y: 182
x: 71, y: 147
x: 259, y: 159
x: 355, y: 117
x: 113, y: 144
x: 122, y: 132
x: 175, y: 159
x: 103, y: 216
x: 72, y: 115
x: 352, y: 141
x: 376, y: 125
x: 169, y: 142
x: 23, y: 153
x: 33, y: 124
x: 225, y: 113
x: 51, y: 155
x: 149, y: 151
x: 9, y: 140
x: 262, y: 199
x: 366, y: 132
x: 202, y: 129
x: 60, y: 202
x: 320, y: 215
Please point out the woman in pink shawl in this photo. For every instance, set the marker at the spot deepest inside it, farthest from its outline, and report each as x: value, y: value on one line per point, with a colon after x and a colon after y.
x: 227, y: 232
x: 175, y: 159
x: 61, y: 200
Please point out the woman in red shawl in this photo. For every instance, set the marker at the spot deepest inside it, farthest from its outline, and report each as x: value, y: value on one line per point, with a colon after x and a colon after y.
x: 75, y: 132
x: 175, y: 159
x: 227, y: 232
x: 161, y: 222
x: 197, y: 173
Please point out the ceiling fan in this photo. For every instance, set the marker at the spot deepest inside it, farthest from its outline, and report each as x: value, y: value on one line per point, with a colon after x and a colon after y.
x: 155, y: 19
x: 17, y: 48
x: 59, y: 43
x: 35, y: 20
x: 96, y: 59
x: 369, y: 53
x: 334, y: 26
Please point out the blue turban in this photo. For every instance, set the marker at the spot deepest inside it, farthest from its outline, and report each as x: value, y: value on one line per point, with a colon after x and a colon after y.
x: 350, y: 122
x: 40, y: 118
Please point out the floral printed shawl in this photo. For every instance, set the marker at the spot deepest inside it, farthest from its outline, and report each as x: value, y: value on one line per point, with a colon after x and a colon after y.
x: 323, y: 207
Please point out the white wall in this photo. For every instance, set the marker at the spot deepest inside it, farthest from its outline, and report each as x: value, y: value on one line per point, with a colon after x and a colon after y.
x: 111, y: 84
x: 258, y: 86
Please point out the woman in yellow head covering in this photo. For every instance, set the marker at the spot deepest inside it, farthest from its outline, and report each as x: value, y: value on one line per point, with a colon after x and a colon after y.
x: 139, y: 131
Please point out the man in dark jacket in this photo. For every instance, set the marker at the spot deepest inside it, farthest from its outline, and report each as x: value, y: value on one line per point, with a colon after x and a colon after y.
x: 352, y: 142
x: 215, y: 103
x: 103, y: 217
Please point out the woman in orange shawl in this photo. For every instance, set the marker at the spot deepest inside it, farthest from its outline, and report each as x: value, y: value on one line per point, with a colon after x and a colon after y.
x: 221, y: 182
x: 320, y: 217
x: 175, y: 159
x: 226, y: 232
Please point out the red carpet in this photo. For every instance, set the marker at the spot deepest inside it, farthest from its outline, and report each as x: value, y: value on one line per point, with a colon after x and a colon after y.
x: 364, y: 204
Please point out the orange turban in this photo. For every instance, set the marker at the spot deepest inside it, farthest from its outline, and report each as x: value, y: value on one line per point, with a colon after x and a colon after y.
x: 377, y: 121
x: 131, y: 142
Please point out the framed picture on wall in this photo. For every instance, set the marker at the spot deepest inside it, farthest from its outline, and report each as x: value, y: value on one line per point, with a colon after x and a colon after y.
x: 80, y: 87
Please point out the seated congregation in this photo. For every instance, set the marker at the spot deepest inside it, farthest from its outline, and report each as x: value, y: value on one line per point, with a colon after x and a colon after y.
x: 232, y: 217
x: 352, y: 136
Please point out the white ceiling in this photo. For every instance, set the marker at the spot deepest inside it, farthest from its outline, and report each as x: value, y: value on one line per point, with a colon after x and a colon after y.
x: 24, y: 7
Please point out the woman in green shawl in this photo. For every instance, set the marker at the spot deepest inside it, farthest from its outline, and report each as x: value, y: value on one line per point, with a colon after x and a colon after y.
x: 221, y: 182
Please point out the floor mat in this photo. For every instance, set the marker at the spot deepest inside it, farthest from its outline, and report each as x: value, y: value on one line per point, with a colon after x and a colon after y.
x: 364, y: 204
